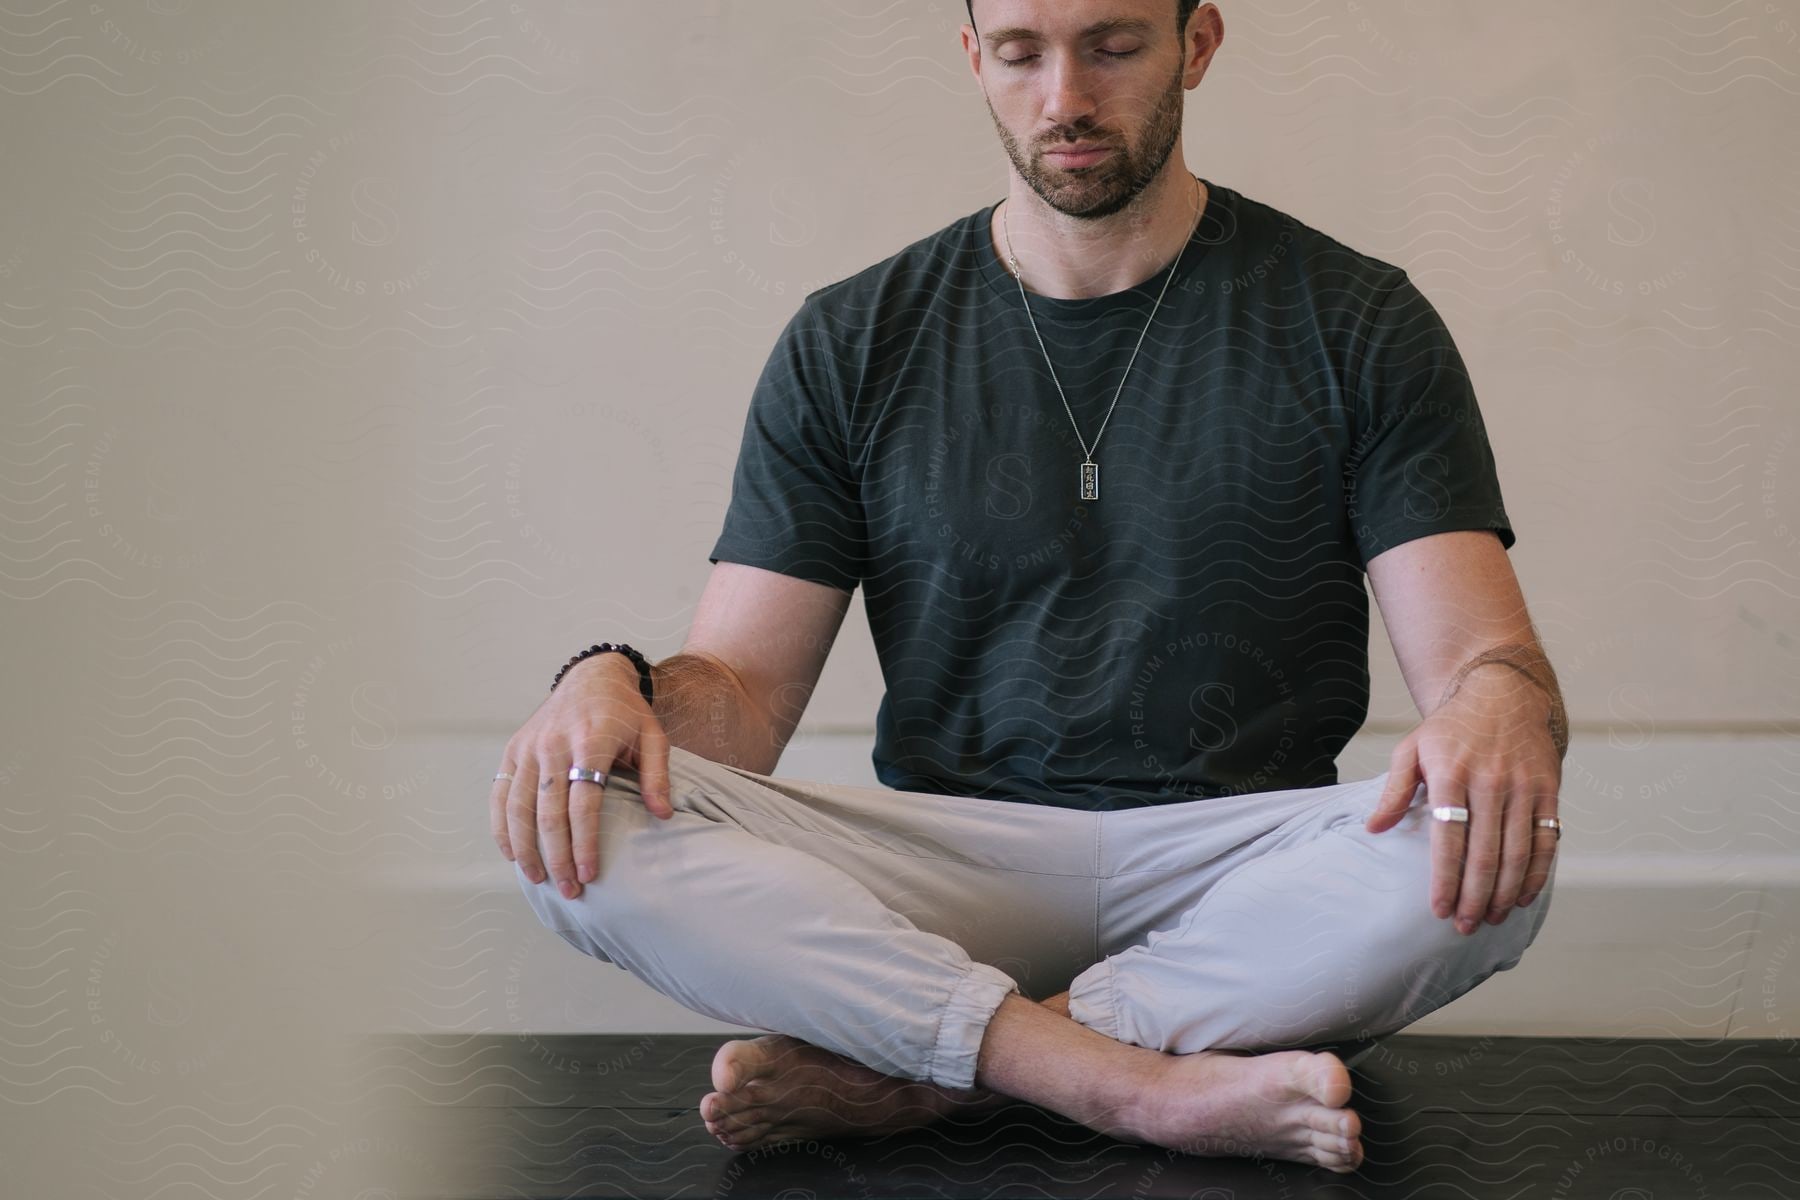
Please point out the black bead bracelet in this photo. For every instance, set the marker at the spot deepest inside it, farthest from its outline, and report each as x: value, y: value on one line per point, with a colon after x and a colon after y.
x: 637, y: 659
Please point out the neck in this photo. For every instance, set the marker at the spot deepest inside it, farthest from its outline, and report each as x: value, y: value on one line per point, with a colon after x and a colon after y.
x: 1068, y: 258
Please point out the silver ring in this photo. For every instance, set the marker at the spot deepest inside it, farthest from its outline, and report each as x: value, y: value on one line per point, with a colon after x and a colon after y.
x: 578, y: 775
x: 503, y: 775
x: 1549, y: 823
x: 1450, y: 812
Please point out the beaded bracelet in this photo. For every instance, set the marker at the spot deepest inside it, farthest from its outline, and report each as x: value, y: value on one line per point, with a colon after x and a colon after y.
x: 637, y: 659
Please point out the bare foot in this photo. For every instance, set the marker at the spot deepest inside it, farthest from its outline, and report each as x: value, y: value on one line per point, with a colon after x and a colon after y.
x: 1290, y: 1105
x: 1284, y: 1105
x: 778, y: 1088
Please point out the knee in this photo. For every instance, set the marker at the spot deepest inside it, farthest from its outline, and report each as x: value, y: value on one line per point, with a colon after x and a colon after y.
x: 611, y: 902
x: 1426, y: 962
x: 547, y: 904
x: 537, y: 895
x: 1526, y: 923
x: 1487, y: 948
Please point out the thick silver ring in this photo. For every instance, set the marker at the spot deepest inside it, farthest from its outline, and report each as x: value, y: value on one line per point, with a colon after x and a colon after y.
x: 578, y: 775
x: 1549, y: 823
x: 1450, y: 812
x: 503, y: 775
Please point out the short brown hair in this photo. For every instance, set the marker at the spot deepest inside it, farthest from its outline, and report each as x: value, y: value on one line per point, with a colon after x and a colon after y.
x: 1183, y: 10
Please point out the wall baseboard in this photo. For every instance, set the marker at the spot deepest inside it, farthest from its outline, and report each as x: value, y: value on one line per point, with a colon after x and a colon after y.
x: 1676, y: 914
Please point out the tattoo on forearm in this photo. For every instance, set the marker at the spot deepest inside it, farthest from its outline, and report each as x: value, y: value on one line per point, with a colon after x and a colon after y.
x: 1530, y: 661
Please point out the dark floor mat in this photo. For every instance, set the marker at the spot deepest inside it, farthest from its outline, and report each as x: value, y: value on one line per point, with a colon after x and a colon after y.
x: 468, y: 1117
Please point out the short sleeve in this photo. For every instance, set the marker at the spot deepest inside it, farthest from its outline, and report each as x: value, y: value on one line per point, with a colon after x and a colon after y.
x: 1421, y: 463
x: 795, y: 502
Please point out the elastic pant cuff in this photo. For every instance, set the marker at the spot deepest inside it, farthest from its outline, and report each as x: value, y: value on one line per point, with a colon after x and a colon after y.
x: 962, y: 1022
x: 1093, y: 1001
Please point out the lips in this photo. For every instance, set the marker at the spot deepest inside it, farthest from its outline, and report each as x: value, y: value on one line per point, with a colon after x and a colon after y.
x: 1077, y: 156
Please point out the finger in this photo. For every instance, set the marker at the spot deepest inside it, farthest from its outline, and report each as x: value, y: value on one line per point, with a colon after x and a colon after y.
x: 596, y: 752
x: 553, y: 817
x: 1515, y: 851
x: 1543, y: 844
x: 1404, y: 778
x: 585, y: 801
x: 1481, y: 863
x: 1448, y: 847
x: 1543, y: 859
x: 653, y: 768
x: 497, y: 809
x: 521, y: 817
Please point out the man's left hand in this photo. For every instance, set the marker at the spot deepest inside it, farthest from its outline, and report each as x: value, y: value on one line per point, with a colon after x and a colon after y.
x: 1488, y: 748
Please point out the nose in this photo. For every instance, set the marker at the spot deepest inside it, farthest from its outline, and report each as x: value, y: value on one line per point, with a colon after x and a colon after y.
x: 1068, y: 98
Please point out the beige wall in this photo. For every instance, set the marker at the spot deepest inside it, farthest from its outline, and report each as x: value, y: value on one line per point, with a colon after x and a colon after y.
x: 362, y: 361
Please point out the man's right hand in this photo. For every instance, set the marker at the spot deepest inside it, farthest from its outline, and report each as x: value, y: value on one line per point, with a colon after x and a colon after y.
x: 596, y: 719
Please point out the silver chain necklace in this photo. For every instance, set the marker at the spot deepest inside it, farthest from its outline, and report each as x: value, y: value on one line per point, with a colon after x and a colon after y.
x: 1090, y: 470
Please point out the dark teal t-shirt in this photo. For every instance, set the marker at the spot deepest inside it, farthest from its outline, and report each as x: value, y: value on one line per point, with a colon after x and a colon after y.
x: 1201, y: 629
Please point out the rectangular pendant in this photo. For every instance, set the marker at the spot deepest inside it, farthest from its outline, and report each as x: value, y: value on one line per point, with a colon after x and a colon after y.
x: 1090, y: 481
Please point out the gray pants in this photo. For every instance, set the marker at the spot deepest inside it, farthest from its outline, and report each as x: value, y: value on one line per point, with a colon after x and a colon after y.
x: 887, y: 926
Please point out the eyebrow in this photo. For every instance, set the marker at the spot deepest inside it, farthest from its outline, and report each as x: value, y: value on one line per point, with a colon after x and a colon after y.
x: 1111, y: 25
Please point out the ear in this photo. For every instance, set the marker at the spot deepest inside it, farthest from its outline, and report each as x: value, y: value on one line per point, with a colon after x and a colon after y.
x: 1205, y: 30
x: 971, y: 42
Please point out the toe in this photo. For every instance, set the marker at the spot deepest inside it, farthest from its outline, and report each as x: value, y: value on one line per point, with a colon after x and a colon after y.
x: 717, y: 1106
x: 1332, y: 1150
x: 1342, y: 1122
x: 738, y: 1062
x: 1330, y: 1080
x: 729, y: 1104
x: 748, y: 1138
x: 1332, y: 1143
x: 726, y: 1123
x: 724, y: 1067
x: 735, y: 1122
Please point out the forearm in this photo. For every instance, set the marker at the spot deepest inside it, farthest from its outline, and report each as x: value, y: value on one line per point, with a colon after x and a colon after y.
x: 704, y: 709
x: 1527, y: 659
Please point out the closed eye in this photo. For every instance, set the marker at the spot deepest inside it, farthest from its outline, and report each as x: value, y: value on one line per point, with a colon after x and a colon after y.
x: 1019, y: 62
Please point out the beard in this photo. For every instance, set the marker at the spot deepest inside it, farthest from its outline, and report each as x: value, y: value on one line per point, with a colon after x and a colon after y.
x: 1106, y: 187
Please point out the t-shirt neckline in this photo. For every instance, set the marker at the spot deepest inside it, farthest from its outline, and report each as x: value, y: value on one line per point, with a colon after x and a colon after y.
x: 1210, y: 229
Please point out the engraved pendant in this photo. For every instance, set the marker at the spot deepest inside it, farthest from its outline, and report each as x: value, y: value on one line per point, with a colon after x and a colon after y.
x: 1090, y: 481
